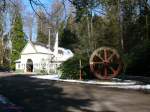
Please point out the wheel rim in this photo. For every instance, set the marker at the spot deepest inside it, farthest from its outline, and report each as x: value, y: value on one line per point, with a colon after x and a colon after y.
x: 105, y: 63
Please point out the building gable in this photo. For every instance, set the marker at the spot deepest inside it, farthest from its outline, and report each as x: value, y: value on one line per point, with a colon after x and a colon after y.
x: 29, y: 48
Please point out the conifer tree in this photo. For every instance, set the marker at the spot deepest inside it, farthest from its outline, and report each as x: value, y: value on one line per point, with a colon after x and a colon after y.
x: 17, y: 37
x: 68, y: 38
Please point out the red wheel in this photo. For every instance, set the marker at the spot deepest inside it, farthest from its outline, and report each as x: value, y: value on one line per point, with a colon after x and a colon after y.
x: 105, y: 63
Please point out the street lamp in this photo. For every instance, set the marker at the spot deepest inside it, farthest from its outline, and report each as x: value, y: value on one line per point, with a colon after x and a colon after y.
x: 49, y: 34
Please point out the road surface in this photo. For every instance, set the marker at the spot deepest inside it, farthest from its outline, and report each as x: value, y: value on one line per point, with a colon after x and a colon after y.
x: 37, y: 95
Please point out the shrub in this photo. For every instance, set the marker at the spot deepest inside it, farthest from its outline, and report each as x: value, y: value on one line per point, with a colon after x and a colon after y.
x: 4, y: 68
x: 19, y: 71
x: 70, y: 69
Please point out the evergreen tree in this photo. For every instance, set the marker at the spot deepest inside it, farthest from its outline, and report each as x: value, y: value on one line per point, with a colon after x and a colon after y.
x: 84, y: 7
x: 17, y: 37
x: 68, y: 37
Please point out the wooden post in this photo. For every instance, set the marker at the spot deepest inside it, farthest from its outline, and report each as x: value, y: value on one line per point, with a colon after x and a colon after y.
x: 80, y: 69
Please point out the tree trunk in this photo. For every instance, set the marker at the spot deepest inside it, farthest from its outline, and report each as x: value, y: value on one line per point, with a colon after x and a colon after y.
x: 89, y: 35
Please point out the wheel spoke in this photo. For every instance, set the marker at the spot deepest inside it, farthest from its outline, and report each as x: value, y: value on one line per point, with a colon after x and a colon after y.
x: 105, y: 54
x: 99, y: 55
x: 96, y: 63
x: 111, y: 56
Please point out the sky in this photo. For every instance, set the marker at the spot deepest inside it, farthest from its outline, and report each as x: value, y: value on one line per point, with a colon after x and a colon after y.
x: 46, y: 3
x: 28, y: 9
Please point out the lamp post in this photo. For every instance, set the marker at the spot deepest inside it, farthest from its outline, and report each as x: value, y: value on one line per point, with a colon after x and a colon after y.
x: 49, y: 35
x: 49, y: 42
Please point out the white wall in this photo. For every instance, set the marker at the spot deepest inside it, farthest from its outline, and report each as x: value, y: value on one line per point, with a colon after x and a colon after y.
x: 28, y: 49
x: 36, y: 58
x: 32, y: 52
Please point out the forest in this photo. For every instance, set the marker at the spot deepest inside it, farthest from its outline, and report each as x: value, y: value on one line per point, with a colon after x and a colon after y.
x: 83, y: 26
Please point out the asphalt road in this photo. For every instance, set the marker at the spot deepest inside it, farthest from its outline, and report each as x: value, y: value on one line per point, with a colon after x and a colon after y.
x: 36, y: 95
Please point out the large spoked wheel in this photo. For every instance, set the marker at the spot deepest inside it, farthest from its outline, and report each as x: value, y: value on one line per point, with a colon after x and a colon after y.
x: 105, y: 63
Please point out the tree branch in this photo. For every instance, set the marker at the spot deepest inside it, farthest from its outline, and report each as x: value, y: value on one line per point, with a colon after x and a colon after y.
x: 147, y: 5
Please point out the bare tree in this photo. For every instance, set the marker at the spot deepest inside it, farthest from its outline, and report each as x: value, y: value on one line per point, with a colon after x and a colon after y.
x: 29, y: 23
x: 56, y: 14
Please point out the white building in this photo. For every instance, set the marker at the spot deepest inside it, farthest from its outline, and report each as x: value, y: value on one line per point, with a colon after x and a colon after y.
x: 36, y: 57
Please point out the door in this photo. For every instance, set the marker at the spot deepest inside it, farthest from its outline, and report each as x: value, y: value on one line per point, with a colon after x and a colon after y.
x: 29, y: 65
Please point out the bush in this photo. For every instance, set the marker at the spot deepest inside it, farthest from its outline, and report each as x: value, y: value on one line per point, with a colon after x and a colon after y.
x: 19, y: 71
x: 139, y: 60
x: 41, y: 71
x: 70, y: 69
x: 4, y: 68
